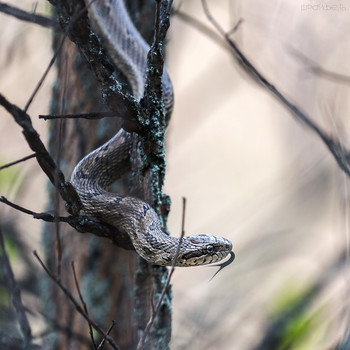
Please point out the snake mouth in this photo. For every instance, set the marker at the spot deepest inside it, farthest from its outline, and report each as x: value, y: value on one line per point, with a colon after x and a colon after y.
x: 203, y: 257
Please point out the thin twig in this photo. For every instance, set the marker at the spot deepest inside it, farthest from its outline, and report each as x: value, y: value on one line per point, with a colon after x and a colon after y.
x: 166, y: 285
x: 84, y: 305
x: 114, y: 322
x: 46, y: 72
x: 43, y: 216
x: 15, y: 293
x: 91, y: 116
x: 235, y: 28
x: 194, y: 22
x: 28, y: 17
x: 339, y: 152
x: 53, y: 59
x: 76, y: 304
x: 18, y: 161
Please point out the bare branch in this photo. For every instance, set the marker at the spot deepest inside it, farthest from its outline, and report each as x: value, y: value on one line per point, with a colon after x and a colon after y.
x: 166, y: 285
x: 194, y: 22
x: 339, y: 152
x: 76, y: 304
x: 46, y: 72
x: 82, y: 224
x: 28, y: 17
x: 91, y: 116
x: 17, y: 161
x: 15, y: 293
x: 236, y: 27
x: 119, y: 113
x: 84, y: 306
x: 43, y: 216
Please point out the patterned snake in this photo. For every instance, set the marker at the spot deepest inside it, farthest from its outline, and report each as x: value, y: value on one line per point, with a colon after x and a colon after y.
x: 95, y: 173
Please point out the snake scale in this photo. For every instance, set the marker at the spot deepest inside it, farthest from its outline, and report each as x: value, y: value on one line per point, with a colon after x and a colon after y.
x: 95, y: 173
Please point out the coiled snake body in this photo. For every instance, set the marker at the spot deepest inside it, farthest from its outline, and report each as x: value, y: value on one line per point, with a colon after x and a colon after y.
x: 99, y: 169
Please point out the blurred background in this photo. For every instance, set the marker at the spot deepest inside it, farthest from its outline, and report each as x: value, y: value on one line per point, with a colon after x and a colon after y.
x: 249, y: 170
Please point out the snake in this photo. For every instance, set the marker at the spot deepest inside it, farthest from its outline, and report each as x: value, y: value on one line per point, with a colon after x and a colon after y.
x: 93, y: 176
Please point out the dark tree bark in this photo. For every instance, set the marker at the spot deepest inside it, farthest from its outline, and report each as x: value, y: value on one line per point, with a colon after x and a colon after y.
x: 116, y: 283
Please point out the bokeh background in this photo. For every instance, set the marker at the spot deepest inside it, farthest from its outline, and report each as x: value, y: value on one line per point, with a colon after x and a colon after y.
x: 249, y: 170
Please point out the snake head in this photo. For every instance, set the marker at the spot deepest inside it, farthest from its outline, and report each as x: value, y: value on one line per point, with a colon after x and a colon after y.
x: 203, y: 250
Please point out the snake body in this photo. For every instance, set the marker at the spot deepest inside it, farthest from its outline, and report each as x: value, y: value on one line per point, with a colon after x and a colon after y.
x: 94, y: 174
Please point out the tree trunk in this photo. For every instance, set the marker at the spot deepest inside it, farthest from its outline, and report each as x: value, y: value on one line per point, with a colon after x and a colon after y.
x: 116, y: 284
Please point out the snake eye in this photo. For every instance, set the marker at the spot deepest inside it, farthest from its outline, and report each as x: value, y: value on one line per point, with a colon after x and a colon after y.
x: 210, y: 248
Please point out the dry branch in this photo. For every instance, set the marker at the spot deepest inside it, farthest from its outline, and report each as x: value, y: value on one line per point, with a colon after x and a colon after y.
x: 81, y: 223
x: 17, y: 161
x: 84, y: 305
x: 28, y: 17
x: 90, y: 116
